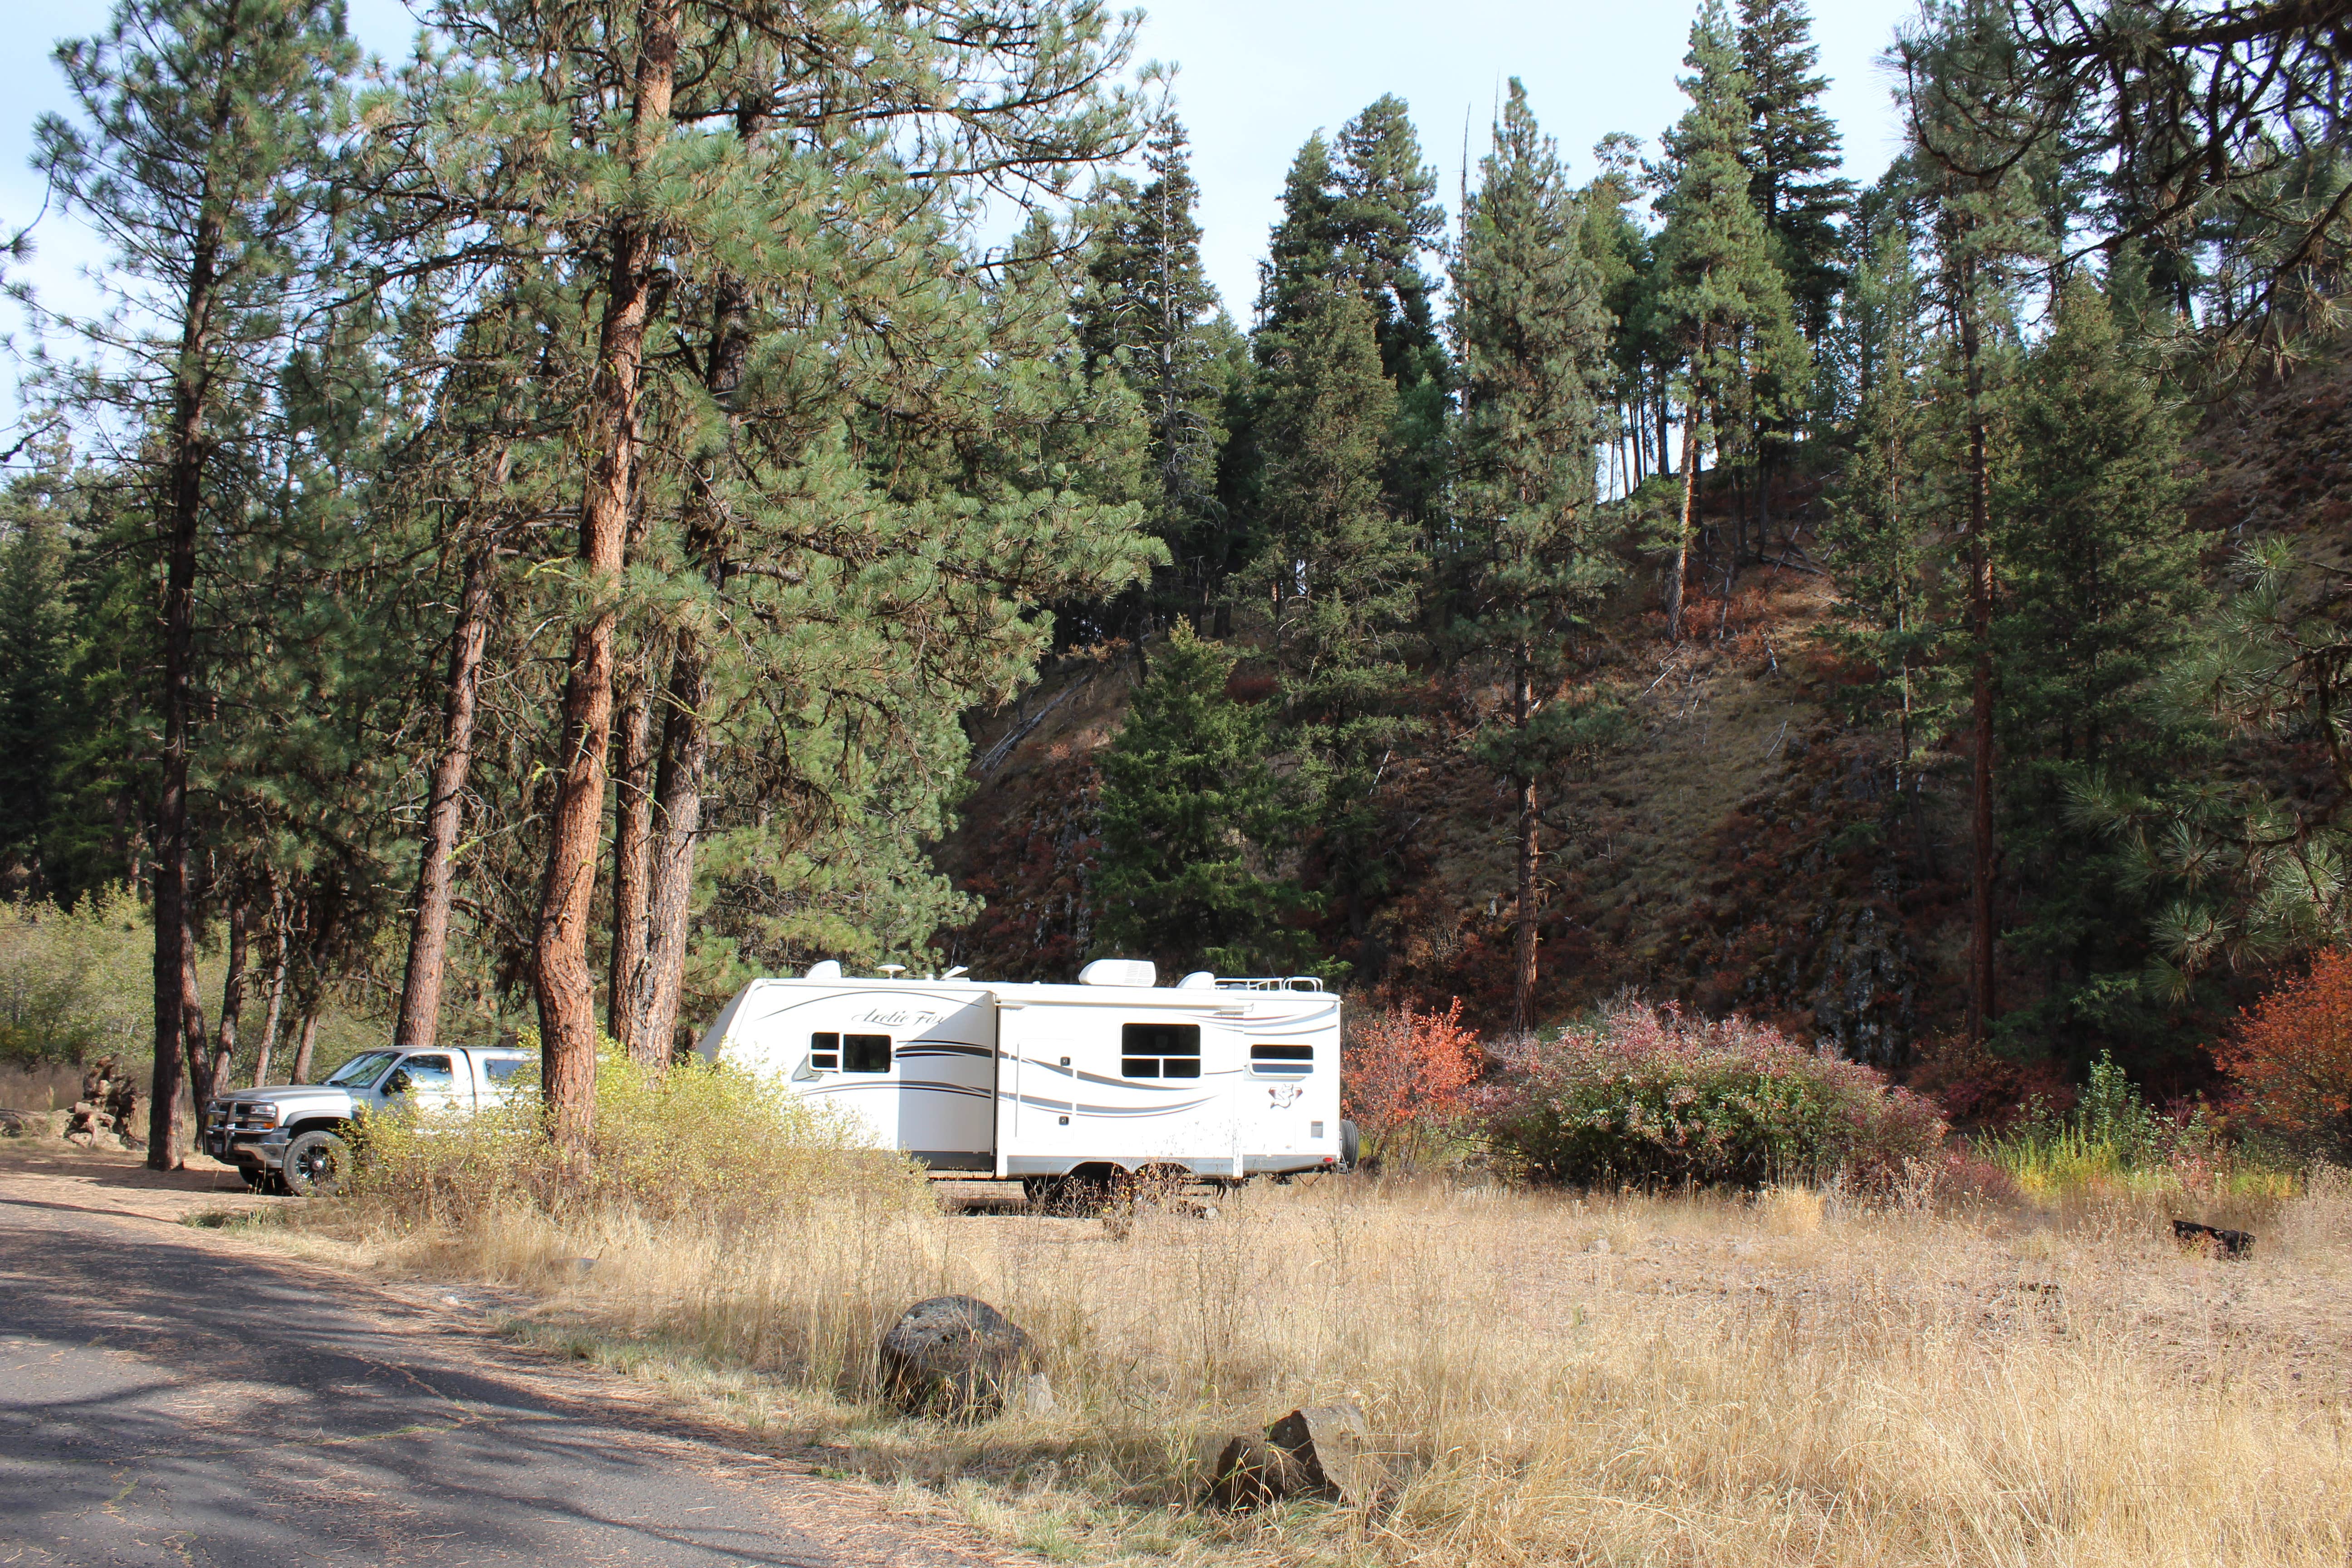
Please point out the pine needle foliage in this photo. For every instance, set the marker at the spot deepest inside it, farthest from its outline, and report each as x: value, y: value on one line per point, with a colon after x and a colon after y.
x: 1194, y: 822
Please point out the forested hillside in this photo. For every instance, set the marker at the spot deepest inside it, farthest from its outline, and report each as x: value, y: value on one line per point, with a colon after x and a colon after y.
x: 584, y: 516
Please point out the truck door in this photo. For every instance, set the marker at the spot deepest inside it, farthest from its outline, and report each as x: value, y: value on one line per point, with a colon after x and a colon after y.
x: 425, y: 1083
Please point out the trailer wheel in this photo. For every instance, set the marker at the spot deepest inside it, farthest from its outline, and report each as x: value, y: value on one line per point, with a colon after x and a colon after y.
x: 1351, y: 1144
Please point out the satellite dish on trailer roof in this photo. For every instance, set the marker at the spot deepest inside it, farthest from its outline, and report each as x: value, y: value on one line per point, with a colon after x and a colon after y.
x: 823, y: 969
x: 892, y: 970
x: 1198, y: 980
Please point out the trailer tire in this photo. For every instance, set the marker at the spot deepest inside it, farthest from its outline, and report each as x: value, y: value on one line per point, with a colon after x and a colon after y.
x: 316, y: 1163
x: 1351, y: 1144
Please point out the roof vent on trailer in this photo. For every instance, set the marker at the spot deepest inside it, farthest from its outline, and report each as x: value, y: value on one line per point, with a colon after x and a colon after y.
x: 824, y: 969
x: 1120, y: 971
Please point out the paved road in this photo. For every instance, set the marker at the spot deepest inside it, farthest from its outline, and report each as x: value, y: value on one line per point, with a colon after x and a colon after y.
x: 169, y: 1397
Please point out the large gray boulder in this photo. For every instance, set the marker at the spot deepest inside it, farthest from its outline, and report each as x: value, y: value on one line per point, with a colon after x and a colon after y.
x: 958, y: 1357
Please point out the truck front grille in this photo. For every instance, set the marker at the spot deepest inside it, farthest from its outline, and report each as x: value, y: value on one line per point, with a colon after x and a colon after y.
x: 239, y: 1116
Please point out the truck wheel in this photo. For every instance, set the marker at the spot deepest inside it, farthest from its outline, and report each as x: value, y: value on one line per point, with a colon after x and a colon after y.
x: 315, y: 1164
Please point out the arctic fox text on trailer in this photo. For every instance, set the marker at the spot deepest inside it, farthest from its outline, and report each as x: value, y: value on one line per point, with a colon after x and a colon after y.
x: 1222, y: 1078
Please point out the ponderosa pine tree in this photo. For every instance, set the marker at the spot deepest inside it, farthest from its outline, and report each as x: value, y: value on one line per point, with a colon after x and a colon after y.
x: 211, y: 131
x: 1193, y: 823
x: 1337, y: 572
x: 1884, y: 532
x: 1385, y: 220
x: 1719, y: 290
x: 2099, y: 589
x: 806, y: 236
x: 1793, y: 156
x: 1534, y: 336
x: 1149, y: 310
x: 1984, y: 220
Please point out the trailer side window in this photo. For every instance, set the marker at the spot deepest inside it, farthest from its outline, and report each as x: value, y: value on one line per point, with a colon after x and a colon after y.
x: 865, y: 1053
x: 1283, y: 1061
x: 1159, y: 1051
x: 825, y: 1052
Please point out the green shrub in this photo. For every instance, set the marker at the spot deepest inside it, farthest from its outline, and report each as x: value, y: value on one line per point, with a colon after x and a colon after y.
x: 711, y: 1144
x: 1645, y: 1095
x: 75, y: 982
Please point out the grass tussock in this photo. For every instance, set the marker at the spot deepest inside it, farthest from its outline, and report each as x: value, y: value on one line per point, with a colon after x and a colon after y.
x: 1800, y: 1377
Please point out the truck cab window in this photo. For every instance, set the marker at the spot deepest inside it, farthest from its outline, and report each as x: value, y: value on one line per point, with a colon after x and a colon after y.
x: 865, y: 1053
x: 825, y: 1052
x: 505, y: 1069
x: 1159, y: 1051
x: 428, y: 1072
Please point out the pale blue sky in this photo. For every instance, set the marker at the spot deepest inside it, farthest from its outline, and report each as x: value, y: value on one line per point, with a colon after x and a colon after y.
x: 1255, y: 79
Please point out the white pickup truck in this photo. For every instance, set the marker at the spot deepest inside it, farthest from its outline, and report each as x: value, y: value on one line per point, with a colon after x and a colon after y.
x: 295, y: 1137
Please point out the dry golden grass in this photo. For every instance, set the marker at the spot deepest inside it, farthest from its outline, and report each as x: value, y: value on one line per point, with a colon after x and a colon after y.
x: 1792, y: 1379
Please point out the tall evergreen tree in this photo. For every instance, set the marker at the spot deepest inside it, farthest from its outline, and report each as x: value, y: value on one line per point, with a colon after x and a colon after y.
x: 1793, y: 153
x: 2100, y: 587
x: 38, y: 711
x: 1534, y: 332
x: 1149, y: 310
x: 1337, y: 572
x: 209, y: 129
x: 861, y: 517
x: 1743, y: 361
x: 1959, y: 101
x: 1193, y: 823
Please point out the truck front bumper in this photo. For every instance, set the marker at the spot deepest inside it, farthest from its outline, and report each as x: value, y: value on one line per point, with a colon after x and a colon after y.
x: 254, y: 1150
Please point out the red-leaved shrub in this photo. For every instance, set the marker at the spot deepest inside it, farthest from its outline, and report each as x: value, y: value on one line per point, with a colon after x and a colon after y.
x: 2291, y: 1055
x: 1645, y: 1095
x: 1406, y: 1073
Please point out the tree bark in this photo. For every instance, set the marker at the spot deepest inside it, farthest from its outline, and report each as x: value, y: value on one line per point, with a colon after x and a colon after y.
x: 564, y: 985
x: 419, y: 1020
x: 1523, y: 966
x: 631, y: 835
x: 217, y: 1081
x: 1690, y: 509
x: 277, y: 1002
x: 309, y: 1040
x: 1981, y: 848
x: 179, y: 1012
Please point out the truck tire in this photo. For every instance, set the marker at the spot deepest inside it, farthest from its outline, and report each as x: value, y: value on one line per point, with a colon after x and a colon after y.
x: 1349, y: 1143
x: 316, y: 1163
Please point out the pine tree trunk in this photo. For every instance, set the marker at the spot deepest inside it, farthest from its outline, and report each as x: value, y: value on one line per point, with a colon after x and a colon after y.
x: 217, y: 1081
x: 1666, y: 448
x: 677, y: 818
x: 1690, y: 509
x: 565, y: 986
x: 1981, y: 849
x: 179, y: 1013
x: 269, y: 1019
x: 418, y: 1024
x: 304, y: 1045
x: 631, y: 833
x: 1523, y: 966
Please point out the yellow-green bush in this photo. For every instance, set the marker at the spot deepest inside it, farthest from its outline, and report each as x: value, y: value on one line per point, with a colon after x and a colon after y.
x: 712, y: 1144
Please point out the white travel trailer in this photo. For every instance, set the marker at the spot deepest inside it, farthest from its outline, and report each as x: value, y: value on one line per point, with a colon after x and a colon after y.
x: 1221, y: 1078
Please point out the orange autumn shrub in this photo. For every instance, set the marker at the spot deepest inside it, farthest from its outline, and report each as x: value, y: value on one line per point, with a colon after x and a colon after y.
x: 1406, y: 1078
x: 2292, y: 1054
